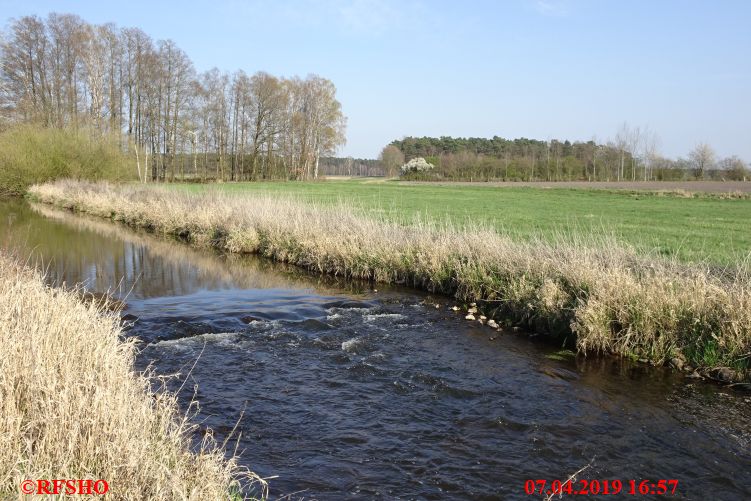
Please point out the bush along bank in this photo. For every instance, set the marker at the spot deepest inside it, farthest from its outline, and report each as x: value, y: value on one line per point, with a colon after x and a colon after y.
x: 607, y: 298
x: 72, y: 407
x: 30, y: 154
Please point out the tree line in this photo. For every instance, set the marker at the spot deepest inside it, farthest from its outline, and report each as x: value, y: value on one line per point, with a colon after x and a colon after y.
x: 147, y: 96
x: 348, y: 166
x: 630, y: 156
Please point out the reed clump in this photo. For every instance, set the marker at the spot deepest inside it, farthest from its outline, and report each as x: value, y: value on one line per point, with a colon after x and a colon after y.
x: 609, y: 297
x: 72, y: 407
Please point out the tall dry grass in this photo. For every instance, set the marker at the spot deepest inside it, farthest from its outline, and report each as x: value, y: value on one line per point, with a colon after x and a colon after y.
x: 72, y: 407
x: 609, y: 297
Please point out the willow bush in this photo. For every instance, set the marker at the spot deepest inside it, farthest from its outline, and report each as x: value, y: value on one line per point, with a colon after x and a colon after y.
x: 31, y: 154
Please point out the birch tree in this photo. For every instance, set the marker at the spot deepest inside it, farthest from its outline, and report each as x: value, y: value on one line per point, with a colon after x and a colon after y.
x: 702, y: 157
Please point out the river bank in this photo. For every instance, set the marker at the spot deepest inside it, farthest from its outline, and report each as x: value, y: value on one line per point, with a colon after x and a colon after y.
x: 608, y: 297
x: 303, y: 372
x: 73, y: 406
x: 689, y: 227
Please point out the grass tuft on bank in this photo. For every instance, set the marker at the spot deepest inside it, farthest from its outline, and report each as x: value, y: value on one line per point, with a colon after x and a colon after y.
x: 72, y: 407
x: 606, y: 296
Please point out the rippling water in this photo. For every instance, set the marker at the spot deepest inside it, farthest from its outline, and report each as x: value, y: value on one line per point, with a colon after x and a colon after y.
x: 342, y: 392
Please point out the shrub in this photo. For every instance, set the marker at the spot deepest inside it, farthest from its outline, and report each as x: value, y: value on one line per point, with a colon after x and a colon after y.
x: 31, y: 154
x: 417, y: 165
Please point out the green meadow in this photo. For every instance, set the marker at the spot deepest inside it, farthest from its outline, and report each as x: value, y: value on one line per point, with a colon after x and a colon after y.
x: 704, y: 228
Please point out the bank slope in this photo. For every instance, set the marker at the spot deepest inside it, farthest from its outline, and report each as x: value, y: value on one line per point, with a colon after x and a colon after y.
x: 72, y: 407
x: 607, y: 297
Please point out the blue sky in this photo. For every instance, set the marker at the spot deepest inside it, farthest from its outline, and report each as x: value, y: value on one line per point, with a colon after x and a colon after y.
x: 569, y: 69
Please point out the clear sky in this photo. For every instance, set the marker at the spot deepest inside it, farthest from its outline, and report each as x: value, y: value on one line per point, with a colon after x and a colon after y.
x: 568, y: 69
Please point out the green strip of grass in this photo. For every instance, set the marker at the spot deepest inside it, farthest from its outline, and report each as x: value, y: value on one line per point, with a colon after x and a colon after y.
x: 691, y: 229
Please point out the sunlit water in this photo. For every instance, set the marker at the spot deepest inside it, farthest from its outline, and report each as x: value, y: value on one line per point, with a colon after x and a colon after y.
x: 338, y: 391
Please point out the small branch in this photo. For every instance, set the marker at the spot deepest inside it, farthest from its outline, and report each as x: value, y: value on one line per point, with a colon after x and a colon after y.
x: 571, y: 478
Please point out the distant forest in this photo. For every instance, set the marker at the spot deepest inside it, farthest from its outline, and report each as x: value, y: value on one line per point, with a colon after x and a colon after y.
x: 631, y: 156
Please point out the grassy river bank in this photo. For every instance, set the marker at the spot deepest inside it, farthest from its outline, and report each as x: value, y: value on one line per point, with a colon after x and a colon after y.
x: 600, y: 295
x: 72, y: 407
x: 688, y: 226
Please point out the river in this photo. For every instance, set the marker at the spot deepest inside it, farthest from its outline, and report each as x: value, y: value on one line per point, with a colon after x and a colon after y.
x: 345, y: 390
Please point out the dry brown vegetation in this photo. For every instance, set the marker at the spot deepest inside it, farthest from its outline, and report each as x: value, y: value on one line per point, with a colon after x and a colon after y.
x: 71, y: 405
x: 611, y: 298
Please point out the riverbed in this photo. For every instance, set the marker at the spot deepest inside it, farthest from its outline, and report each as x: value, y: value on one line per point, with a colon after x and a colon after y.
x: 337, y: 389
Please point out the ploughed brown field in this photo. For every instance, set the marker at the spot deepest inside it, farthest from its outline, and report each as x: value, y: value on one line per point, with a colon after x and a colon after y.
x: 693, y: 186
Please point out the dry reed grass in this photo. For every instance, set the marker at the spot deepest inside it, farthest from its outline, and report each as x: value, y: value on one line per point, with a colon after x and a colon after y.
x: 612, y: 298
x: 71, y: 406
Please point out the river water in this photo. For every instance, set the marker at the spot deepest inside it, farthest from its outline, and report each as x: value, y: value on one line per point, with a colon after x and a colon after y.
x: 341, y: 391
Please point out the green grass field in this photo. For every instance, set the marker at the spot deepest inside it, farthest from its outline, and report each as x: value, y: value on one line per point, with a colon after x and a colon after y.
x: 692, y: 229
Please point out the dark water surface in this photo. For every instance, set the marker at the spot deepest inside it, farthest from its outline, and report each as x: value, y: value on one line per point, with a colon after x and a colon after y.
x: 342, y: 392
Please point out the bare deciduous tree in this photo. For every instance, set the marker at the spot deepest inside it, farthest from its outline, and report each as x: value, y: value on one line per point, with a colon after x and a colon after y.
x: 392, y: 159
x: 650, y: 142
x: 702, y: 157
x: 733, y: 169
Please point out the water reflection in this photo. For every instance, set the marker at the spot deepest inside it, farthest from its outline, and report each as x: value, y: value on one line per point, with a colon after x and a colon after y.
x: 109, y: 257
